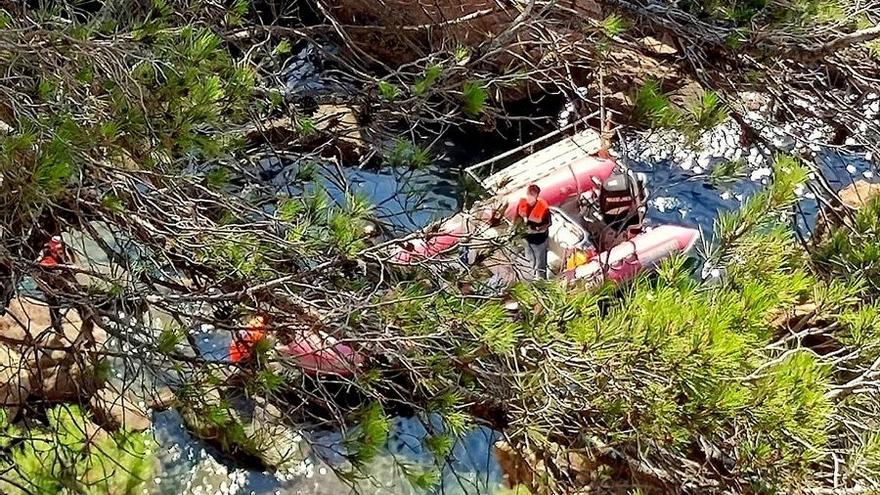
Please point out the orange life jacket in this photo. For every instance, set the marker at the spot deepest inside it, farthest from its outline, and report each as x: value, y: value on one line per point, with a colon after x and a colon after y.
x: 535, y: 214
x: 243, y: 344
x: 48, y: 261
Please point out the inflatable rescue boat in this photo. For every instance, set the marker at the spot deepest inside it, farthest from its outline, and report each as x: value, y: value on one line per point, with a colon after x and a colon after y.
x: 566, y: 172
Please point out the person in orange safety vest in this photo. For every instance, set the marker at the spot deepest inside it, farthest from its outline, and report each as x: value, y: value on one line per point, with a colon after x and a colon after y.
x: 243, y: 342
x: 55, y: 252
x: 535, y: 212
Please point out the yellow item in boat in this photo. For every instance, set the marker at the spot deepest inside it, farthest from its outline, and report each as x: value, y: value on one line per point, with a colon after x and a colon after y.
x: 577, y: 258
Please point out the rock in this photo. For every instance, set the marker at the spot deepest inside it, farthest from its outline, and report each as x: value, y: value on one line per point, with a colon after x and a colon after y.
x: 14, y: 382
x: 466, y: 23
x: 161, y: 399
x: 341, y: 124
x: 279, y: 445
x: 521, y: 468
x: 275, y: 131
x: 5, y: 128
x: 687, y: 96
x: 268, y: 440
x: 753, y: 101
x: 336, y: 125
x: 515, y: 468
x: 656, y: 46
x: 850, y: 198
x: 402, y: 31
x: 63, y: 382
x: 704, y: 160
x: 859, y: 193
x: 794, y: 316
x: 93, y: 432
x: 27, y: 320
x: 114, y: 410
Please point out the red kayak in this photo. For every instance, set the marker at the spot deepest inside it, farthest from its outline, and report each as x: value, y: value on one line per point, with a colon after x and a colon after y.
x: 313, y: 351
x: 318, y: 352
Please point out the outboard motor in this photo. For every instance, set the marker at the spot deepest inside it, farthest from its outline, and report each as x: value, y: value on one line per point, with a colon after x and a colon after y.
x: 622, y: 199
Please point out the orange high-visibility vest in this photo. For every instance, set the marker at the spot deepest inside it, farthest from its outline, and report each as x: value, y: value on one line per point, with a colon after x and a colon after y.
x: 243, y: 345
x: 535, y: 214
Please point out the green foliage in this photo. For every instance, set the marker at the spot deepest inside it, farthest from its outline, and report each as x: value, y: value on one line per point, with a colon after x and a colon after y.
x: 864, y: 22
x: 217, y: 178
x: 708, y: 112
x: 407, y: 154
x: 111, y: 202
x: 653, y: 107
x: 664, y: 363
x: 457, y: 422
x: 489, y: 322
x: 317, y: 223
x: 613, y: 25
x: 422, y: 479
x: 282, y: 48
x: 267, y: 382
x: 289, y: 209
x: 347, y: 230
x: 815, y: 12
x: 850, y: 255
x: 439, y: 445
x: 790, y: 403
x: 388, y: 91
x: 745, y: 13
x: 243, y: 255
x: 169, y: 339
x: 305, y: 126
x: 182, y: 97
x: 727, y: 171
x: 866, y: 457
x: 236, y: 13
x: 68, y: 456
x: 432, y: 73
x: 51, y: 177
x: 370, y: 435
x: 764, y: 208
x: 473, y: 98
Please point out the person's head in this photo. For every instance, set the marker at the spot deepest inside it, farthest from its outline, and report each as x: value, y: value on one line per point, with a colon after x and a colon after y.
x: 55, y: 243
x: 532, y: 193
